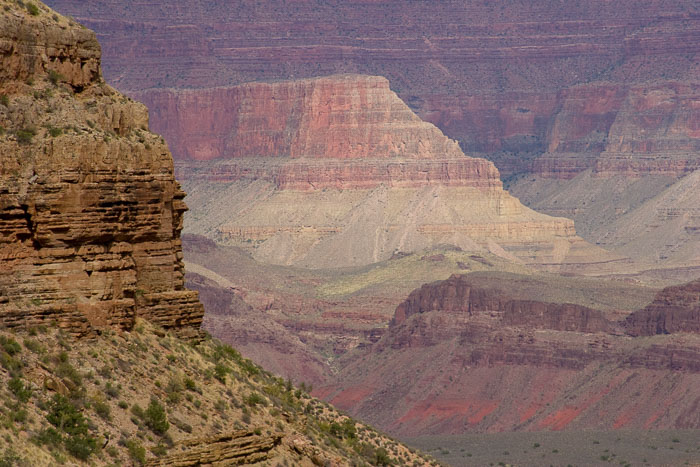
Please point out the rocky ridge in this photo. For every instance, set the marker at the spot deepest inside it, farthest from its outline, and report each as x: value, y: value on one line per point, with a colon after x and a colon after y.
x: 149, y: 397
x: 90, y: 213
x: 568, y: 366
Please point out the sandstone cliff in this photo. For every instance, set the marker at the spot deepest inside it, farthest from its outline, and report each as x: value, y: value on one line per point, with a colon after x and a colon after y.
x: 337, y: 171
x: 90, y: 213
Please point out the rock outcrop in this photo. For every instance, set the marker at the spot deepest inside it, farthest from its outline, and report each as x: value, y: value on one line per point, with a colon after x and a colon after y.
x: 235, y: 448
x: 337, y: 171
x: 90, y: 213
x: 675, y: 309
x: 459, y: 357
x: 459, y: 295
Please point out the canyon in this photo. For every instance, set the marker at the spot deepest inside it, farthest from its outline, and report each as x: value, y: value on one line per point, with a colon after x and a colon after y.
x: 92, y: 285
x: 355, y: 173
x: 337, y: 171
x: 593, y: 93
x: 527, y: 365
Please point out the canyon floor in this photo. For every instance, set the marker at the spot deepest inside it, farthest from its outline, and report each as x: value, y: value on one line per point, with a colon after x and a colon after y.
x: 580, y: 448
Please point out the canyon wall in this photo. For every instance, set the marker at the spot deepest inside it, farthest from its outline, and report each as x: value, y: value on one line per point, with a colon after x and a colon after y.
x: 337, y: 171
x: 511, y: 83
x: 461, y: 357
x: 90, y: 213
x: 675, y: 309
x: 548, y: 92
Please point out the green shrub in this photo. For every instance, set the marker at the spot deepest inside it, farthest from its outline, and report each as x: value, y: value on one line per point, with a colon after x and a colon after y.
x: 53, y: 131
x: 381, y: 457
x: 155, y: 417
x: 249, y: 367
x: 55, y: 77
x: 69, y: 420
x: 49, y: 436
x: 111, y: 391
x: 25, y: 135
x: 173, y: 390
x: 138, y: 411
x: 190, y: 384
x: 4, y: 100
x: 10, y: 345
x: 65, y: 416
x: 21, y: 391
x: 32, y: 9
x: 34, y: 346
x: 102, y: 409
x: 136, y: 451
x: 10, y: 363
x: 220, y: 372
x: 65, y: 370
x: 80, y: 446
x: 254, y: 399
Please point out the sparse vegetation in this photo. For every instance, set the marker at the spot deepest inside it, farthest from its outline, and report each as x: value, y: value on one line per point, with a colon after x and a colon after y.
x: 55, y: 77
x: 25, y: 135
x: 32, y: 9
x: 93, y: 408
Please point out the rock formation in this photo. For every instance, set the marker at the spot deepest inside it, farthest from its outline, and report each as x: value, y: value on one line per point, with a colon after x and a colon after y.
x: 337, y: 171
x: 238, y: 447
x: 460, y: 357
x: 675, y: 309
x: 90, y: 213
x: 499, y: 81
x: 597, y: 91
x: 457, y: 294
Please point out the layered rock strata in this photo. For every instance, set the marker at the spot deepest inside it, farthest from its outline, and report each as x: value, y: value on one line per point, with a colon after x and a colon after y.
x: 337, y: 171
x: 235, y: 448
x: 90, y: 213
x: 502, y: 82
x: 457, y: 294
x: 566, y: 366
x: 675, y: 309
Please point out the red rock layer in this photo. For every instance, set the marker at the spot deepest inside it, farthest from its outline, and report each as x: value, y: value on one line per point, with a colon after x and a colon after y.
x: 90, y: 214
x: 619, y: 130
x: 309, y: 175
x: 503, y: 82
x: 346, y: 131
x: 458, y: 358
x: 339, y: 117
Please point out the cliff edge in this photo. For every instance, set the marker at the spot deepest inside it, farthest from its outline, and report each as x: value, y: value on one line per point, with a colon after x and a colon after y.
x: 90, y: 212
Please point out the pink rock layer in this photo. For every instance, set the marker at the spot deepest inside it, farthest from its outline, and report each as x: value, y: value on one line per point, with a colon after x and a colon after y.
x: 346, y: 131
x: 502, y: 82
